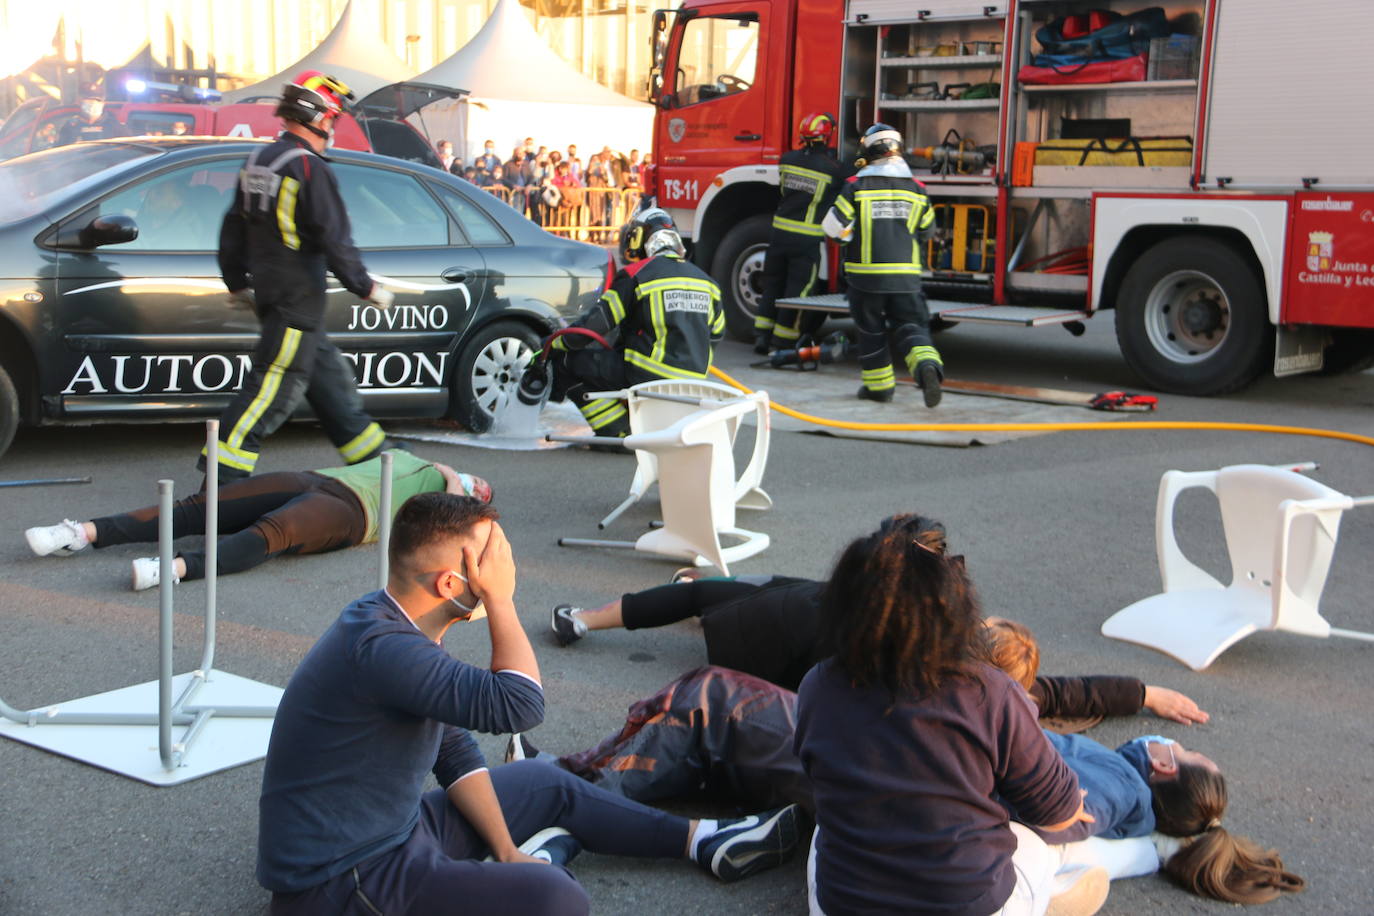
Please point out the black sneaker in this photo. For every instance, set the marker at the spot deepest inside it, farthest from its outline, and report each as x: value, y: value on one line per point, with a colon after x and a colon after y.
x: 748, y: 845
x: 928, y: 374
x: 868, y: 394
x: 567, y: 629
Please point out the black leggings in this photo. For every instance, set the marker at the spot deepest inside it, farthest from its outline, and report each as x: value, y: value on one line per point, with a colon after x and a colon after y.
x: 665, y: 604
x: 259, y: 517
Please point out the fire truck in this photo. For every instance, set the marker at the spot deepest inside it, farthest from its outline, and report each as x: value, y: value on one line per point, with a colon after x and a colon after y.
x: 1215, y: 186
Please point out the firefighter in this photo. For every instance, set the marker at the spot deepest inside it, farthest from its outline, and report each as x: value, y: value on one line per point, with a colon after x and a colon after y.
x: 661, y: 316
x: 94, y: 122
x: 883, y: 216
x: 286, y: 227
x: 808, y: 179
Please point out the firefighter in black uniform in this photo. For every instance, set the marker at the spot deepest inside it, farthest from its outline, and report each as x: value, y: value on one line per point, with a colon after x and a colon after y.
x: 94, y: 122
x: 286, y: 227
x: 662, y: 316
x: 884, y: 216
x: 808, y: 179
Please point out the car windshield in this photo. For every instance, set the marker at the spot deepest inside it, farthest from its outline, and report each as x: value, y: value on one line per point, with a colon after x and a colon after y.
x: 30, y: 183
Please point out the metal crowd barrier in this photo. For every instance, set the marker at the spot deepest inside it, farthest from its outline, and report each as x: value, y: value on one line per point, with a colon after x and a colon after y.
x: 596, y: 218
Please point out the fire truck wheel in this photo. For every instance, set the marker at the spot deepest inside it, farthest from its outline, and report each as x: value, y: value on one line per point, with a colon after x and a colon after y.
x: 488, y: 372
x: 738, y: 267
x: 1350, y: 350
x: 1191, y: 318
x: 9, y: 410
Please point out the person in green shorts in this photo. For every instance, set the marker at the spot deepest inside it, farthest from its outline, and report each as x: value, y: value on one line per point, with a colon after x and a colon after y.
x: 262, y: 517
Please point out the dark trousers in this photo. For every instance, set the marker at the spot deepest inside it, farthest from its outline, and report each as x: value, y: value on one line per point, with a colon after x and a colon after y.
x: 667, y: 604
x: 790, y: 268
x: 439, y: 869
x: 577, y: 372
x: 259, y: 518
x: 899, y: 318
x: 290, y: 363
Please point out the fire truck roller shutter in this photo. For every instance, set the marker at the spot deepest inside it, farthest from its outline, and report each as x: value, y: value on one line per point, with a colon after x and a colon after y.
x: 1191, y: 317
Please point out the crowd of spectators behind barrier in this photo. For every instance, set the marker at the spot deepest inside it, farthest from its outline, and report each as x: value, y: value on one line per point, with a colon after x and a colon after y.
x: 587, y: 201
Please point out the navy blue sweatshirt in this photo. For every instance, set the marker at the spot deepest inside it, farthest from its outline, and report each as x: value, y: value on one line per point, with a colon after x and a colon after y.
x: 373, y: 708
x: 906, y: 791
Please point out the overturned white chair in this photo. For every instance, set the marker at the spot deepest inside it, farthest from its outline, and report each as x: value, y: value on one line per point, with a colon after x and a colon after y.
x: 659, y: 404
x: 698, y: 491
x: 1280, y: 530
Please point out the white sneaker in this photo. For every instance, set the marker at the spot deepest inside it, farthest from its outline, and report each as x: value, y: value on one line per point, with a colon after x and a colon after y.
x: 63, y: 540
x: 148, y: 573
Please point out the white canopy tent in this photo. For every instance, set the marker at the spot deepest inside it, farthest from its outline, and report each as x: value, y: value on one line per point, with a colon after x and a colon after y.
x: 519, y: 87
x: 352, y: 52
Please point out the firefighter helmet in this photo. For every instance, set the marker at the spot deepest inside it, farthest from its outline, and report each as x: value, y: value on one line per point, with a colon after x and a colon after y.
x: 817, y: 127
x: 651, y: 232
x: 311, y: 98
x: 878, y: 141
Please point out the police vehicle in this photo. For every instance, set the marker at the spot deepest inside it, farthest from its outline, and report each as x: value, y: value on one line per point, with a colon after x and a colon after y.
x: 112, y: 307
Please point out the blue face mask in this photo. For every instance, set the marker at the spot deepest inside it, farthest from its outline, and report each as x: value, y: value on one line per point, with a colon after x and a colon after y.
x: 1137, y: 752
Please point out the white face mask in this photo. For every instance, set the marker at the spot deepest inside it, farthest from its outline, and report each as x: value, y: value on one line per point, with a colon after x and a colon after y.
x: 478, y: 611
x: 490, y: 150
x: 92, y: 109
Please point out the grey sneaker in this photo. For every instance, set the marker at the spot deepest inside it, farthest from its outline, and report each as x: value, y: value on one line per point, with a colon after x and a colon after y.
x: 567, y: 629
x: 748, y: 845
x: 63, y: 540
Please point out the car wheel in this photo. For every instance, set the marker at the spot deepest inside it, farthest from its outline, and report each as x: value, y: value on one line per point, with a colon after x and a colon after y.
x: 488, y: 372
x: 738, y: 267
x: 9, y: 410
x: 1192, y: 318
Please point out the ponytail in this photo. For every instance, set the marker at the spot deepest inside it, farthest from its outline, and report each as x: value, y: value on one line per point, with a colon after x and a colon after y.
x: 1214, y: 863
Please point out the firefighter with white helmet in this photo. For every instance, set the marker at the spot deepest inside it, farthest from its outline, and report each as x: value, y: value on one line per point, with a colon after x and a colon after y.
x: 286, y: 228
x: 808, y: 179
x: 661, y: 317
x: 883, y: 215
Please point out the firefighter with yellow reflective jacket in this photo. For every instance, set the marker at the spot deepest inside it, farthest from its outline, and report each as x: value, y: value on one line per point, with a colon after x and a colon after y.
x: 884, y: 216
x: 808, y: 179
x: 661, y: 316
x: 286, y: 228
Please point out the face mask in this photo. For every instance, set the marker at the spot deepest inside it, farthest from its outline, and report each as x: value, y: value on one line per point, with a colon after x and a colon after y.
x: 92, y: 109
x: 476, y: 612
x: 490, y: 150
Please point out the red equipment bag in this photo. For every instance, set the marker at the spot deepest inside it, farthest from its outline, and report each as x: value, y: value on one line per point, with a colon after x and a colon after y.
x: 1123, y: 70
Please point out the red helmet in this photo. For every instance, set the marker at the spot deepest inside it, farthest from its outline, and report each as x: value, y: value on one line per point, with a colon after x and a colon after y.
x: 816, y: 127
x: 312, y: 97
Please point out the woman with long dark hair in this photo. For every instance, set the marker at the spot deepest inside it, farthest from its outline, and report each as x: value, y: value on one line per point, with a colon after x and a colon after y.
x: 909, y: 740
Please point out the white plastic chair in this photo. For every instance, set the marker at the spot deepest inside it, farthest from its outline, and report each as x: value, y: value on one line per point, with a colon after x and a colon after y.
x: 1280, y: 530
x: 661, y: 403
x: 695, y: 461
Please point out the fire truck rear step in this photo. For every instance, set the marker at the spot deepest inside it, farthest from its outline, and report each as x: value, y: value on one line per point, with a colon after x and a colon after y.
x: 834, y: 303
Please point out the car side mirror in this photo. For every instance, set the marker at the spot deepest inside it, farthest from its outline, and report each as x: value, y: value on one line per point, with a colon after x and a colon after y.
x: 110, y: 229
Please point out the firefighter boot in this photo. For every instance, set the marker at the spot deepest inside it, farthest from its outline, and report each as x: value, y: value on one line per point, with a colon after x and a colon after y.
x: 868, y: 394
x: 929, y: 375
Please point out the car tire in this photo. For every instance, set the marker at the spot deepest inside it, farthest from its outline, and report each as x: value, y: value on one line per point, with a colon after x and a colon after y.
x: 1350, y: 350
x: 1191, y: 318
x: 738, y: 268
x: 9, y: 410
x: 488, y: 372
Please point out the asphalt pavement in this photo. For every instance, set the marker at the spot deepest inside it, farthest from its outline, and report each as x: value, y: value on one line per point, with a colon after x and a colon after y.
x: 1057, y: 529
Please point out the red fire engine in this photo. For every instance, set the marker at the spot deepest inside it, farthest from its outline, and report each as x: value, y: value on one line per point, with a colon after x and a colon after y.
x: 1214, y: 184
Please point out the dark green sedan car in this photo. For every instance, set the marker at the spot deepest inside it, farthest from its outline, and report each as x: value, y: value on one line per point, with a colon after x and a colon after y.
x: 112, y: 308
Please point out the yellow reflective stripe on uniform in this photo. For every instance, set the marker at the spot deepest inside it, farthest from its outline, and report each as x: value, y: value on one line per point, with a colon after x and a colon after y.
x: 822, y: 181
x: 234, y: 457
x: 600, y: 405
x: 271, y: 382
x: 783, y: 332
x: 797, y: 226
x: 810, y: 282
x: 286, y: 213
x: 663, y: 370
x: 615, y: 305
x: 845, y: 207
x: 856, y: 267
x: 762, y: 323
x: 669, y: 283
x: 659, y: 316
x: 359, y: 446
x: 918, y: 355
x: 927, y: 217
x: 606, y: 417
x: 802, y: 172
x: 718, y: 322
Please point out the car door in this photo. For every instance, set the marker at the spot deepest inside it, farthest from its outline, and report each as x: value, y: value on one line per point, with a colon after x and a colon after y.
x: 144, y: 321
x: 413, y: 247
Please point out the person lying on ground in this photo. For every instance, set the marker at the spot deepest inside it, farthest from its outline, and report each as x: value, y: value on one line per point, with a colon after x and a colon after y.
x: 266, y: 516
x: 345, y: 823
x: 768, y: 626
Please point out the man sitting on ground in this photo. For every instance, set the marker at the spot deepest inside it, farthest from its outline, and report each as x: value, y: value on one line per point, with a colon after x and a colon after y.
x: 345, y: 824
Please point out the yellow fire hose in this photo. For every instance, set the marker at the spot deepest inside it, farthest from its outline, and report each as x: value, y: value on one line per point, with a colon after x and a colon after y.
x: 1055, y: 427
